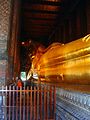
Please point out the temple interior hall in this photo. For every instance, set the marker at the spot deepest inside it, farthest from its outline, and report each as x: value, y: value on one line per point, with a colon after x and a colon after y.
x: 44, y: 59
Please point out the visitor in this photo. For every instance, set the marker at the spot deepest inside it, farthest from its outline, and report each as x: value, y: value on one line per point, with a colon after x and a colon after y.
x: 19, y: 83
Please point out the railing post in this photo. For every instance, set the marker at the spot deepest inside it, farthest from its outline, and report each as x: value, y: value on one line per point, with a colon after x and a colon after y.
x: 24, y: 104
x: 27, y: 101
x: 17, y: 114
x: 40, y: 102
x: 9, y: 102
x: 34, y: 103
x: 20, y: 103
x: 50, y: 101
x: 54, y: 102
x: 13, y: 103
x: 31, y: 104
x: 6, y: 103
x: 45, y: 116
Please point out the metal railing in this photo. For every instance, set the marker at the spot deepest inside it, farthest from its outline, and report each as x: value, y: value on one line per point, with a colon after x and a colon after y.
x: 31, y: 103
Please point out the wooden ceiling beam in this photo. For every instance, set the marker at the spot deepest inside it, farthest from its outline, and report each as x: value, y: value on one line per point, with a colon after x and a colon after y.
x: 39, y: 27
x: 31, y: 26
x: 40, y: 18
x: 41, y: 7
x: 39, y: 15
x: 36, y: 34
x: 46, y: 2
x: 38, y: 21
x: 42, y: 11
x: 37, y: 31
x: 37, y: 24
x: 27, y: 37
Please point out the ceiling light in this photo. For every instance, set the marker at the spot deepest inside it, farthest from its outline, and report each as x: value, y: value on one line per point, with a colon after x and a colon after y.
x: 22, y: 43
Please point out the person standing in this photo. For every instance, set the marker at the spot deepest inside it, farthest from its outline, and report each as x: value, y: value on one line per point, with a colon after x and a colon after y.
x: 19, y: 83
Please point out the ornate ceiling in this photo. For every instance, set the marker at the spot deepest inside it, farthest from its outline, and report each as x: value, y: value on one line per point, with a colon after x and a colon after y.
x: 39, y: 19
